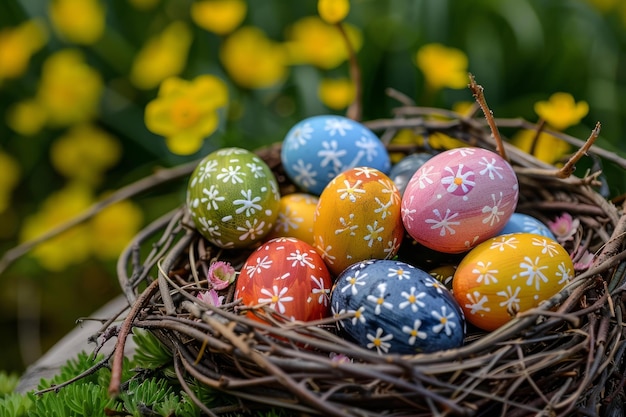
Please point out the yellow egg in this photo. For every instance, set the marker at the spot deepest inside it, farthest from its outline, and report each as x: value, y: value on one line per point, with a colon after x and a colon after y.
x: 358, y: 218
x: 509, y: 274
x: 295, y: 217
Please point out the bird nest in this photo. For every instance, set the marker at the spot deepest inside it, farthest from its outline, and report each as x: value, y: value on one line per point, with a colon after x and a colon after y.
x: 564, y: 356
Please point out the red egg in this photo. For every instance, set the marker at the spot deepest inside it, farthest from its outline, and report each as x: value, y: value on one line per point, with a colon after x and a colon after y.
x: 289, y: 276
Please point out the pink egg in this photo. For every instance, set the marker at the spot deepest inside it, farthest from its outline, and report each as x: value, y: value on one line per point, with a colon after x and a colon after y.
x: 289, y: 276
x: 459, y: 198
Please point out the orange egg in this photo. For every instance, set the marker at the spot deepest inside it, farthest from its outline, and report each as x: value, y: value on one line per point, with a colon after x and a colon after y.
x: 295, y: 217
x: 509, y: 274
x: 358, y: 218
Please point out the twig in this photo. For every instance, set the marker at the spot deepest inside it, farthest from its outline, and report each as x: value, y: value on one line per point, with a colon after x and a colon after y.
x: 125, y: 328
x: 477, y: 91
x: 159, y: 177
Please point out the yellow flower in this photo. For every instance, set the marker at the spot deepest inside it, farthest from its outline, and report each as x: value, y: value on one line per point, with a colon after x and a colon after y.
x: 162, y: 56
x: 78, y: 21
x: 313, y: 41
x: 337, y: 94
x: 113, y: 228
x: 548, y: 148
x: 333, y: 11
x: 10, y: 170
x: 84, y: 153
x: 463, y: 107
x: 442, y: 66
x: 27, y: 117
x: 252, y: 60
x: 219, y: 16
x: 70, y: 247
x: 69, y: 90
x: 17, y: 45
x: 186, y: 112
x: 561, y: 111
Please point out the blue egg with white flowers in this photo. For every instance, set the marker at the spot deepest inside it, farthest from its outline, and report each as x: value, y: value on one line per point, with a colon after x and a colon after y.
x: 395, y: 307
x: 524, y: 223
x: 317, y: 149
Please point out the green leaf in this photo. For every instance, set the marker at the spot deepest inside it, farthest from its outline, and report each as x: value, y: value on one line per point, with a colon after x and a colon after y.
x: 150, y: 353
x: 15, y: 405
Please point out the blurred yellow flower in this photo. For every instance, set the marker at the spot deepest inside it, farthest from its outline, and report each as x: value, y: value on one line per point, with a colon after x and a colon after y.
x: 185, y: 112
x: 442, y: 66
x: 252, y: 60
x: 10, y: 169
x: 26, y: 117
x: 463, y: 107
x: 604, y: 5
x: 162, y: 56
x: 310, y: 40
x: 84, y: 152
x: 78, y: 21
x: 219, y: 16
x: 548, y: 148
x: 337, y: 94
x: 436, y: 140
x: 70, y: 247
x: 69, y: 89
x: 333, y: 11
x: 113, y: 228
x: 561, y: 111
x: 17, y: 45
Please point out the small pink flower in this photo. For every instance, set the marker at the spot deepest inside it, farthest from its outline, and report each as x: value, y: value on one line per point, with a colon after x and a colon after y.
x: 564, y: 227
x: 584, y: 260
x: 210, y: 297
x: 221, y: 274
x: 339, y: 358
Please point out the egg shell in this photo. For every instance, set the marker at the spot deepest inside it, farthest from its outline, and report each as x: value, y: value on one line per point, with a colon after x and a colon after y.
x: 358, y: 218
x: 402, y: 172
x: 396, y: 308
x: 295, y: 217
x: 508, y: 274
x: 523, y: 223
x: 233, y: 198
x: 317, y: 149
x: 288, y: 274
x: 459, y: 198
x: 444, y: 274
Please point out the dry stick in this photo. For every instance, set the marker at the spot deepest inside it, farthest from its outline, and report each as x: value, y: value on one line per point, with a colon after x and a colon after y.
x: 159, y: 177
x: 125, y: 328
x: 477, y: 91
x: 355, y: 109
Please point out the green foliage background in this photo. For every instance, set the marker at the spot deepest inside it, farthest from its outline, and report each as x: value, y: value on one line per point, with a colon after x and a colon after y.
x: 521, y: 51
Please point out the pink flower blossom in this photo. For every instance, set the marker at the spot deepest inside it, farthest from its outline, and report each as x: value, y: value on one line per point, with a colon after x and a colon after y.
x: 582, y: 261
x: 210, y: 297
x: 339, y: 358
x: 221, y: 275
x: 564, y: 227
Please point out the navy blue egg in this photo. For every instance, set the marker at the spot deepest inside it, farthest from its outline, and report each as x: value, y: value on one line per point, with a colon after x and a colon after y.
x: 319, y: 148
x: 523, y: 223
x: 397, y: 308
x: 402, y: 172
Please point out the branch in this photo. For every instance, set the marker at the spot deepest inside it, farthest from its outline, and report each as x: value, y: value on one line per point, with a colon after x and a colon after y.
x: 477, y: 91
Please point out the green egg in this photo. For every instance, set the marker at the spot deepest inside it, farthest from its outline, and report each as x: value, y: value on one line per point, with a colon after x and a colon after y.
x: 233, y: 198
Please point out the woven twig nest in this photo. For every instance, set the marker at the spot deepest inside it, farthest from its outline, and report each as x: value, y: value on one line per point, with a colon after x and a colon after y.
x: 565, y: 355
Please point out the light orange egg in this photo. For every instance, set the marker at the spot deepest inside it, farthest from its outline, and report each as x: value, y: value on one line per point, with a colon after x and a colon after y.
x: 509, y: 274
x: 295, y: 217
x: 358, y: 218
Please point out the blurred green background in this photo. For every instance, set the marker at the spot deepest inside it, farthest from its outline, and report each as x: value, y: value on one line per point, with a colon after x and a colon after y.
x: 76, y: 77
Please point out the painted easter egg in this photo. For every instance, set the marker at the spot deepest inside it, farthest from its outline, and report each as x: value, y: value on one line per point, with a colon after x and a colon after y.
x: 233, y: 198
x: 396, y: 308
x: 402, y: 172
x: 523, y: 223
x: 509, y: 274
x: 358, y: 218
x: 295, y: 217
x: 289, y: 276
x: 317, y: 149
x: 459, y: 198
x: 444, y: 274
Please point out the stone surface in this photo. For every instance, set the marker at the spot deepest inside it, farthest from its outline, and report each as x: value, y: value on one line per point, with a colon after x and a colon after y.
x: 71, y: 345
